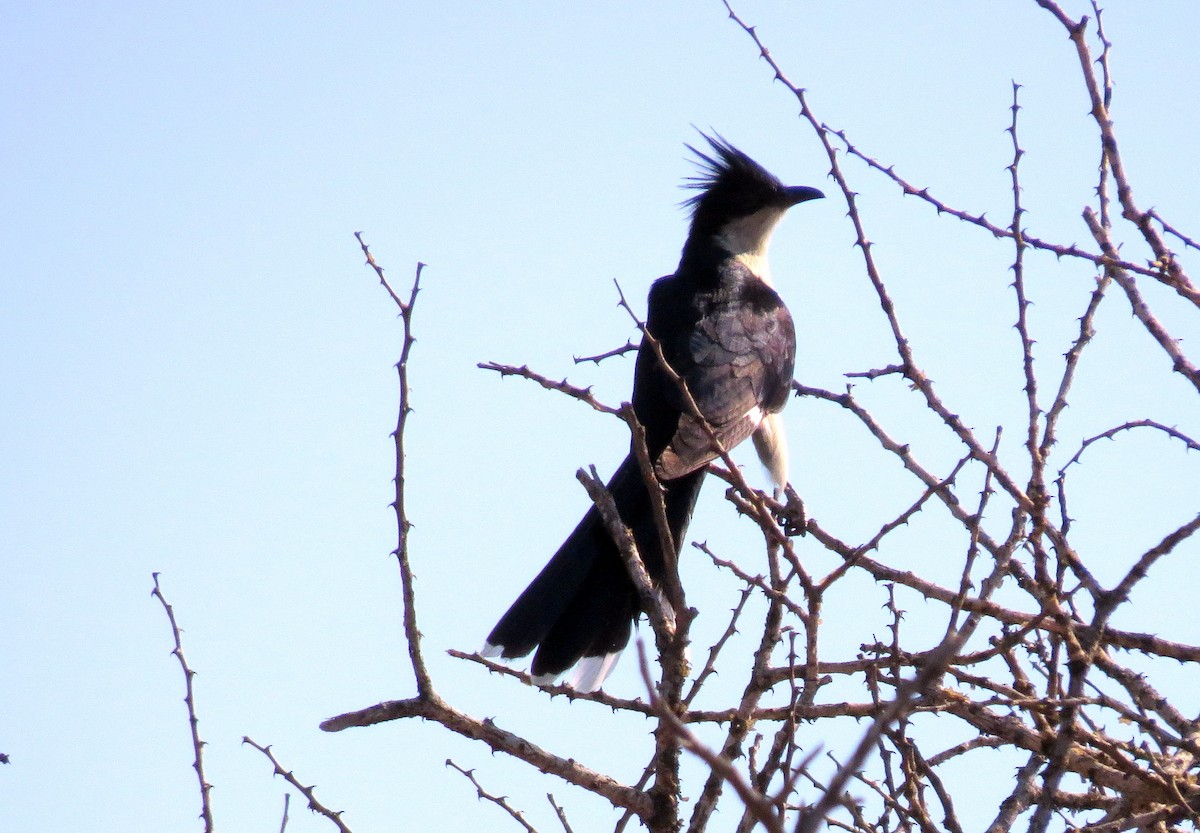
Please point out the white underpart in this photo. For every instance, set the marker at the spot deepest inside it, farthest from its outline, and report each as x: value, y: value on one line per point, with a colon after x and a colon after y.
x: 747, y: 239
x: 490, y: 650
x: 770, y: 442
x: 756, y: 416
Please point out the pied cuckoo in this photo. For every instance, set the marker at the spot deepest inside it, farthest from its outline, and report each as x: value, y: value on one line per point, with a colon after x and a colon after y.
x: 725, y: 331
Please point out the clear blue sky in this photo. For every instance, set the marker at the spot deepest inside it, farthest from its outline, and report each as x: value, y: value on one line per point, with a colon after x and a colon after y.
x: 197, y: 369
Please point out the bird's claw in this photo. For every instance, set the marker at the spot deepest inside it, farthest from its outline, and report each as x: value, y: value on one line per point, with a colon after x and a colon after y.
x: 791, y: 515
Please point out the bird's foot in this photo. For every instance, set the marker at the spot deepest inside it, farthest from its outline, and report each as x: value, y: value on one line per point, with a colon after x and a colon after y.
x: 791, y: 515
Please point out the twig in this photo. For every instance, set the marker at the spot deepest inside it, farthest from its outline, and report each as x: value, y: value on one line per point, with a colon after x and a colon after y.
x: 432, y: 707
x: 412, y: 633
x: 628, y: 347
x: 428, y: 704
x: 189, y: 699
x: 762, y: 807
x: 558, y: 811
x: 1104, y: 61
x: 316, y: 806
x: 563, y: 386
x: 670, y: 650
x: 1019, y: 799
x: 713, y: 652
x: 499, y: 800
x: 1138, y: 571
x: 1175, y: 433
x: 1037, y: 462
x: 980, y: 742
x: 1086, y: 333
x: 876, y: 373
x: 662, y: 616
x: 553, y: 689
x: 1190, y: 242
x: 1032, y: 241
x: 1180, y: 363
x: 758, y: 582
x: 748, y: 707
x: 1170, y: 272
x: 1128, y: 640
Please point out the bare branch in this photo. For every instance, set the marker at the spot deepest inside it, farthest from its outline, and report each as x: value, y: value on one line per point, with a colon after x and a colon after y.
x: 628, y: 347
x: 316, y: 806
x: 1141, y: 309
x: 1192, y: 445
x: 763, y: 809
x: 1025, y: 661
x: 662, y: 616
x: 499, y: 800
x: 1171, y: 272
x: 189, y: 698
x: 563, y: 386
x: 434, y: 708
x: 411, y: 632
x: 562, y: 816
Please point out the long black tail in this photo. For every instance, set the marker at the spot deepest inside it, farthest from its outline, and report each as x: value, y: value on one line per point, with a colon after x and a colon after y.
x: 582, y: 605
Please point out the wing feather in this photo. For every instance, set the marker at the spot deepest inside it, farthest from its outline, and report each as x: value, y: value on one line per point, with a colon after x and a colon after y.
x: 738, y: 361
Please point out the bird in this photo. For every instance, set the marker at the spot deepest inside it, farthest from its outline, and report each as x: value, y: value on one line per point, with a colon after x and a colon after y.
x: 725, y: 331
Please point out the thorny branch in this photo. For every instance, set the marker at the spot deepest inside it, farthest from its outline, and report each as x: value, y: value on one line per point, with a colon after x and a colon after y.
x: 316, y: 806
x: 412, y: 634
x: 428, y: 704
x: 189, y: 699
x: 499, y: 800
x: 1028, y: 665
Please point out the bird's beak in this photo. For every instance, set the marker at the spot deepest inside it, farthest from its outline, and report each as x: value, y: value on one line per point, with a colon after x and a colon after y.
x: 795, y: 194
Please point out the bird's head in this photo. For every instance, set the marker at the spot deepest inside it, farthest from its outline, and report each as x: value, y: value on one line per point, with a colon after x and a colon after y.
x: 739, y: 201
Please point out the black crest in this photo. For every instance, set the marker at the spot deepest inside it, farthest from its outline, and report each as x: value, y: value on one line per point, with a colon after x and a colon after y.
x: 730, y: 185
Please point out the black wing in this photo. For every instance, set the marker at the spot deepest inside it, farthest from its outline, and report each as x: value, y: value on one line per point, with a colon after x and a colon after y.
x: 734, y: 346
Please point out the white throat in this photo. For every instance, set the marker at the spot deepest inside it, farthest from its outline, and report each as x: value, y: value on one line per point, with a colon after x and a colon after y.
x: 747, y: 239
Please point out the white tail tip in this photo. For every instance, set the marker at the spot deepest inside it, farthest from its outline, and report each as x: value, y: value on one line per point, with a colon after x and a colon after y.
x: 591, y: 672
